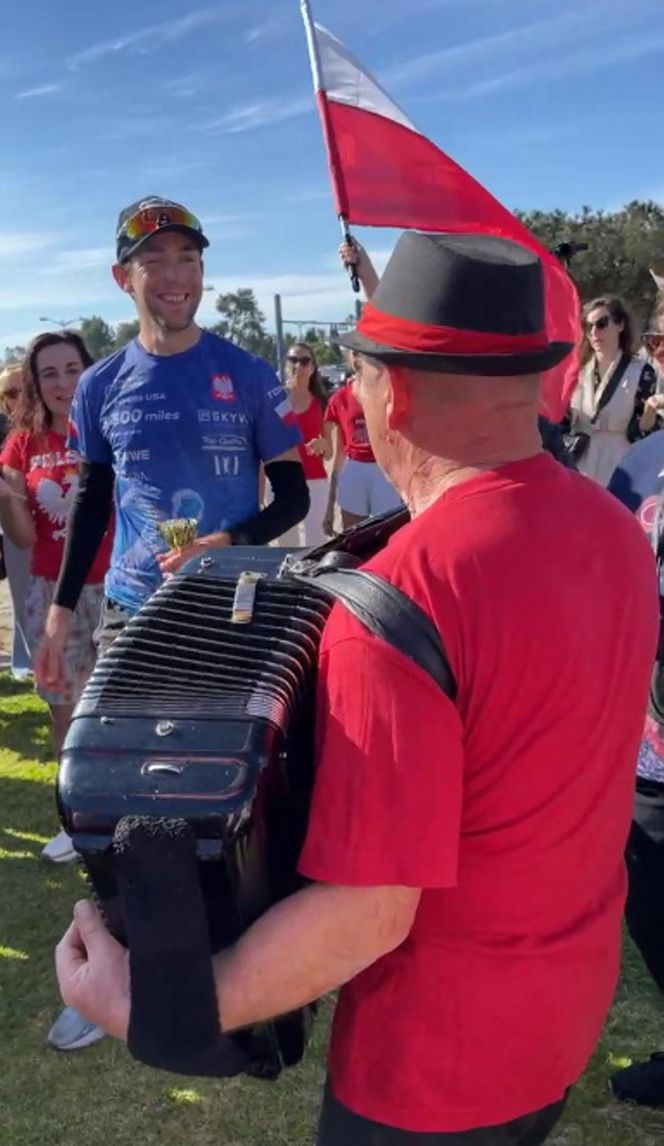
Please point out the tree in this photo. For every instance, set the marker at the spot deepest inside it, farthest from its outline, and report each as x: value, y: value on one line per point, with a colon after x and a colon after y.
x: 13, y: 354
x: 98, y: 336
x: 124, y: 332
x: 324, y: 345
x: 243, y: 323
x: 622, y: 247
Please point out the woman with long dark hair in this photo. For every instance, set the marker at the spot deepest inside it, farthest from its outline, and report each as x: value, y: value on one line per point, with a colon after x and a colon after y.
x: 612, y: 405
x: 308, y: 398
x: 37, y: 489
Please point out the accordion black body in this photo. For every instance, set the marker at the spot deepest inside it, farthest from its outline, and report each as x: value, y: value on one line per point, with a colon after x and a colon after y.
x: 191, y: 716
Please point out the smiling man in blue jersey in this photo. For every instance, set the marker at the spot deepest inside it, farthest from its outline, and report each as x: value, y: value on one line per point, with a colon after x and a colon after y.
x: 177, y: 424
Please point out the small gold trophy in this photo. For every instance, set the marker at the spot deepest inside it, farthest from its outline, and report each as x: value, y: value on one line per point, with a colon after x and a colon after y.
x: 179, y: 531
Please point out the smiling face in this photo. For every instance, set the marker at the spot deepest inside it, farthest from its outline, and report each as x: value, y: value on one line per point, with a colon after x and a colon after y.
x: 58, y: 369
x: 300, y: 366
x: 165, y: 280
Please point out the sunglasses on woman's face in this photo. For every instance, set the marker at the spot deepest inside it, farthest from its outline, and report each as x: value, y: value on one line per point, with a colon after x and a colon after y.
x: 299, y: 360
x: 13, y: 394
x: 599, y: 323
x: 652, y: 342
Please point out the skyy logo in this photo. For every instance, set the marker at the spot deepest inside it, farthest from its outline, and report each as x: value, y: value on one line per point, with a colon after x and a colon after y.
x: 222, y: 388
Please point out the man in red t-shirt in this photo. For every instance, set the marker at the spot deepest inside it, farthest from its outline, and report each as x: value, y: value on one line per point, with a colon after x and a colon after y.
x: 467, y: 855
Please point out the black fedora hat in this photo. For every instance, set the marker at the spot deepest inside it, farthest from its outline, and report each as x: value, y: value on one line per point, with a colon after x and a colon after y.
x: 459, y: 304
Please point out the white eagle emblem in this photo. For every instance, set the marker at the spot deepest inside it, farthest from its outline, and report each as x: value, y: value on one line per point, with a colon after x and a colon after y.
x: 56, y: 500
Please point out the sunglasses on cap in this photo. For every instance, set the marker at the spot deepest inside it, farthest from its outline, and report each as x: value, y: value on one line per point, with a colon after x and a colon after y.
x: 152, y: 219
x: 299, y: 359
x: 599, y: 323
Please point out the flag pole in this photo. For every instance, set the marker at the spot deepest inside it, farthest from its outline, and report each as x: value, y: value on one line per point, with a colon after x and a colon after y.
x: 317, y: 72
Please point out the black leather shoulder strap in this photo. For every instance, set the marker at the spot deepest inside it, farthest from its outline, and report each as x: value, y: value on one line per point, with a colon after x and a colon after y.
x: 388, y: 613
x: 611, y: 386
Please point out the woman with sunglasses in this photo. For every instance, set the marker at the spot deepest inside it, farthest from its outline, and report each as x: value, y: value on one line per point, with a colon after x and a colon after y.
x: 653, y: 343
x: 614, y: 403
x: 37, y: 489
x: 308, y: 399
x: 16, y: 561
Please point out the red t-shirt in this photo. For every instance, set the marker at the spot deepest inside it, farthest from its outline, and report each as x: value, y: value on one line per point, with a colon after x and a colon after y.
x: 310, y: 423
x: 51, y: 475
x: 345, y: 411
x: 509, y: 807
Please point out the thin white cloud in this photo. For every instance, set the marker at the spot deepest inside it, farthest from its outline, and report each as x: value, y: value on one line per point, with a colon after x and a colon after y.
x: 58, y: 295
x: 16, y: 244
x: 151, y: 39
x: 260, y: 113
x: 183, y: 87
x: 584, y: 60
x: 472, y: 52
x: 261, y: 31
x: 44, y: 90
x: 80, y: 259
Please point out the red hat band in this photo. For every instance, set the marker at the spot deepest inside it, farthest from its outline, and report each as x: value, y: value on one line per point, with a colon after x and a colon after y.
x: 416, y: 337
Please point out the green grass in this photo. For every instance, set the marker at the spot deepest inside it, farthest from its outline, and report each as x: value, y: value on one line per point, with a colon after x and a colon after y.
x: 101, y: 1097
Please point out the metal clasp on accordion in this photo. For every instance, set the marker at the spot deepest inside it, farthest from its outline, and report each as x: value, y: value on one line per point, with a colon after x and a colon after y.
x: 244, y: 601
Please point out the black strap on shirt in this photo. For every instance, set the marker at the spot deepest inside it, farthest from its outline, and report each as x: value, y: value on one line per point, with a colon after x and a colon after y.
x: 394, y: 617
x: 612, y: 385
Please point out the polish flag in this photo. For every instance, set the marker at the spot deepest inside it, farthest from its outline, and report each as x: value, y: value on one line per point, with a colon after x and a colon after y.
x: 385, y: 173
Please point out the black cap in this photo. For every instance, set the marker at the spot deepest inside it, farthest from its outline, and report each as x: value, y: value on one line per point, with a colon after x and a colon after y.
x: 459, y: 304
x: 159, y: 215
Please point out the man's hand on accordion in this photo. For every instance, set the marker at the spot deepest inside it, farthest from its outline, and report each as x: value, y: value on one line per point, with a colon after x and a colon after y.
x: 174, y: 559
x: 93, y: 971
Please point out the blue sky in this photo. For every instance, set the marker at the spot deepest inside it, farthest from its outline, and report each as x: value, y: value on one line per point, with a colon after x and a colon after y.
x: 550, y: 103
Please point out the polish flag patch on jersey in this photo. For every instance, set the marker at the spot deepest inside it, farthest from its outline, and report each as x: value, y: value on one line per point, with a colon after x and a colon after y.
x: 222, y: 388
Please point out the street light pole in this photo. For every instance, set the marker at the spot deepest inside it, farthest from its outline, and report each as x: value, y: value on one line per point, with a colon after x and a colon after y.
x: 64, y: 325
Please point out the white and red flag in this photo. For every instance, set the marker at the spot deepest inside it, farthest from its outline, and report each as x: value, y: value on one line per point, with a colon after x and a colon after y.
x: 385, y: 173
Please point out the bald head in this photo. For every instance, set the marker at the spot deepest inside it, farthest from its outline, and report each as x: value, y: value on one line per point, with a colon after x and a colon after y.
x: 418, y: 420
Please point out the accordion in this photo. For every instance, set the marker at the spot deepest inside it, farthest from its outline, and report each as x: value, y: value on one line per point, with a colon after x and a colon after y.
x: 186, y: 774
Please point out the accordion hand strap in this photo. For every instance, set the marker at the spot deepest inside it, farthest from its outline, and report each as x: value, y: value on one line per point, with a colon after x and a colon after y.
x: 174, y: 1022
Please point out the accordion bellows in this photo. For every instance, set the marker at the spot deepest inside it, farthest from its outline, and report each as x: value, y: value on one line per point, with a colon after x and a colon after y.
x: 191, y: 717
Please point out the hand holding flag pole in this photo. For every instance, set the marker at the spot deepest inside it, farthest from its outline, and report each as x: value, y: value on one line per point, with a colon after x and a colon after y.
x: 385, y: 173
x: 350, y: 267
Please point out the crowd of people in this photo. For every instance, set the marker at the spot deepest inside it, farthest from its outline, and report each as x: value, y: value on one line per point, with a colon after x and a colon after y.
x: 180, y: 423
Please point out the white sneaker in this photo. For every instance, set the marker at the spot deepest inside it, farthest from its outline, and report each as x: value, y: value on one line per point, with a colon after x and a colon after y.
x: 60, y: 849
x: 71, y: 1031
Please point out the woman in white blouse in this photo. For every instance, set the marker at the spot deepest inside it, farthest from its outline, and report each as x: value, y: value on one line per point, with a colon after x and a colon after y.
x: 614, y: 403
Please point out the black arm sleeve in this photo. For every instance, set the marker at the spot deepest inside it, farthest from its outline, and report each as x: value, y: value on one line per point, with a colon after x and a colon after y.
x: 88, y: 522
x: 290, y: 506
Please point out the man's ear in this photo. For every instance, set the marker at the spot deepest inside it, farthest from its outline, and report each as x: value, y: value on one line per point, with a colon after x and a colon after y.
x: 399, y: 398
x: 121, y: 276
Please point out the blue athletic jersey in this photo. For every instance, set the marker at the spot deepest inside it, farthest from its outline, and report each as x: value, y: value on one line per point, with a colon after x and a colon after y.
x: 638, y: 480
x: 185, y: 435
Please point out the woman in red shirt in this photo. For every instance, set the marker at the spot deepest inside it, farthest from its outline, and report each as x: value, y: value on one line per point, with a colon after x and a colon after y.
x: 357, y: 481
x: 308, y: 401
x: 37, y: 490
